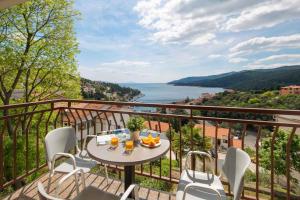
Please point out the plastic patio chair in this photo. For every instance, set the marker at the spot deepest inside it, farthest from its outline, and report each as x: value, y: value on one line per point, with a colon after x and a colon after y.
x: 58, y: 143
x: 195, y: 185
x: 90, y: 192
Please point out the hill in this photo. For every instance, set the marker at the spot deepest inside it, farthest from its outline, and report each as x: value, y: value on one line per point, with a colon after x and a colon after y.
x: 259, y: 79
x: 106, y: 91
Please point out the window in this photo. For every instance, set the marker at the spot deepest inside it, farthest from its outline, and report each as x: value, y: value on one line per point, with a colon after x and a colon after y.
x: 224, y: 141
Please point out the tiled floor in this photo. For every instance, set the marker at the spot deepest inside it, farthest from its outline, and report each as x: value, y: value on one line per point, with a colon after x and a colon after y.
x: 68, y: 191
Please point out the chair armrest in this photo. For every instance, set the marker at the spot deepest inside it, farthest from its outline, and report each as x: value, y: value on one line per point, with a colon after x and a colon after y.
x: 201, y: 153
x: 62, y: 154
x: 43, y: 193
x: 197, y: 185
x: 64, y: 178
x: 129, y: 190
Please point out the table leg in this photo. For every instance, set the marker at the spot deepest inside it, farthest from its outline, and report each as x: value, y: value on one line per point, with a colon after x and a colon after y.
x: 129, y: 178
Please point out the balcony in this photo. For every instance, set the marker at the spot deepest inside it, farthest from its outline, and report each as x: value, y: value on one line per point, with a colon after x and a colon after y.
x: 24, y: 126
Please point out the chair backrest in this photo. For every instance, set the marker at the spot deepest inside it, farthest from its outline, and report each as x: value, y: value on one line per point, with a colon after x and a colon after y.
x: 234, y: 168
x: 60, y: 140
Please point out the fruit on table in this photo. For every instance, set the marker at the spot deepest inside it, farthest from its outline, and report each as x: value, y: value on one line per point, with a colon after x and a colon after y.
x: 146, y: 140
x: 150, y: 140
x: 157, y: 139
x: 152, y: 143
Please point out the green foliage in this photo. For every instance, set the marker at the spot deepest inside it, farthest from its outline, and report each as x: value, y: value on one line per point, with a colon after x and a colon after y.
x: 270, y: 99
x: 135, y: 123
x: 189, y: 134
x: 102, y: 89
x: 249, y: 176
x: 280, y: 145
x: 37, y: 51
x: 250, y: 151
x: 165, y: 171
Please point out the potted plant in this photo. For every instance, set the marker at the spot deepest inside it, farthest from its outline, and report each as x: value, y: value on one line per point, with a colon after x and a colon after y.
x: 135, y: 125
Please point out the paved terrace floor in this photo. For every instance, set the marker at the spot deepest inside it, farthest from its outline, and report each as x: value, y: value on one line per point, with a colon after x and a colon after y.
x: 68, y: 191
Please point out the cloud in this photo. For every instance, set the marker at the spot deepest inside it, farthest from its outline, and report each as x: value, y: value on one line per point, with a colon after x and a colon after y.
x: 197, y: 22
x: 203, y: 39
x: 118, y: 71
x: 214, y: 56
x: 237, y: 60
x: 265, y: 44
x: 285, y: 57
x: 264, y: 15
x: 276, y: 61
x: 272, y: 65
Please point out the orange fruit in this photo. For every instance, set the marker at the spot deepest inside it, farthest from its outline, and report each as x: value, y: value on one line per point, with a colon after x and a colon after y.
x: 146, y: 140
x: 157, y: 139
x: 152, y: 143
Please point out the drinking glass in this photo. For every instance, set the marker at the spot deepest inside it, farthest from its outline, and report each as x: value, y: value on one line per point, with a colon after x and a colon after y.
x: 114, y: 142
x: 129, y: 145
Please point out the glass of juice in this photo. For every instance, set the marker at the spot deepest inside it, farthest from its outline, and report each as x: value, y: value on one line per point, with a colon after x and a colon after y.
x: 114, y: 142
x: 129, y: 145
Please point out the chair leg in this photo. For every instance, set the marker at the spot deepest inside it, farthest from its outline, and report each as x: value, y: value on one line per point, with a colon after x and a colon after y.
x: 49, y: 182
x: 106, y: 174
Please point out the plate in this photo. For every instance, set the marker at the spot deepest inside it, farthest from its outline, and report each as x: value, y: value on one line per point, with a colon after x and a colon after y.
x: 147, y: 145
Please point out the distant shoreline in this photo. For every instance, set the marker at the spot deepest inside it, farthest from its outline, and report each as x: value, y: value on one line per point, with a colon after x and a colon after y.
x: 164, y: 93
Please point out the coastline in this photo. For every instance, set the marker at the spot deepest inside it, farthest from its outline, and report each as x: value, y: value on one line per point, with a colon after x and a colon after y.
x: 166, y: 93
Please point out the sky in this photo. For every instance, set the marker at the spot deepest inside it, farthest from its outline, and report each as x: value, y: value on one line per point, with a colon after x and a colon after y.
x: 156, y: 41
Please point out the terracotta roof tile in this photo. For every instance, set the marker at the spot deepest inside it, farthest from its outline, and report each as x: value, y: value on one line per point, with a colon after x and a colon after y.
x: 155, y: 126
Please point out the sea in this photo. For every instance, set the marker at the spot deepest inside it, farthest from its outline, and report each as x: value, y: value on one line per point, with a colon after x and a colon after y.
x: 165, y: 93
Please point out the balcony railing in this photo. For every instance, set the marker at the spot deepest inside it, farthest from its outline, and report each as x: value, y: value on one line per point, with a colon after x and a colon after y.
x: 23, y: 127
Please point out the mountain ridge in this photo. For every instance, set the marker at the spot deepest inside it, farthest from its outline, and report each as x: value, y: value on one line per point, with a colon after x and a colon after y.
x: 258, y: 79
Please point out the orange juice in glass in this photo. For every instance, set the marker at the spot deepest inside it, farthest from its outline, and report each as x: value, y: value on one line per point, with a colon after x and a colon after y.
x: 114, y: 142
x: 129, y: 145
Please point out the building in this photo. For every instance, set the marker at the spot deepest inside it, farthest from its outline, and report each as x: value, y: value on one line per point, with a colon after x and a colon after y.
x: 89, y: 89
x: 292, y: 89
x: 222, y: 136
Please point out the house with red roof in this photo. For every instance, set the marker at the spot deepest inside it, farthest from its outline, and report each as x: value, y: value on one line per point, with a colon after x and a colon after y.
x: 222, y: 136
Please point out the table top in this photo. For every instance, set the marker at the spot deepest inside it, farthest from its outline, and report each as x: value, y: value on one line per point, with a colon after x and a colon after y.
x: 139, y: 155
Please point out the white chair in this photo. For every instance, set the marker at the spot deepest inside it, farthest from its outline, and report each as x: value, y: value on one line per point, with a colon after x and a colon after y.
x: 58, y: 143
x: 195, y: 185
x: 90, y: 192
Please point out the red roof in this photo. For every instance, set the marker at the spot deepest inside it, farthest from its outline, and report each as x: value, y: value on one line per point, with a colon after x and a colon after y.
x: 155, y: 126
x: 210, y: 131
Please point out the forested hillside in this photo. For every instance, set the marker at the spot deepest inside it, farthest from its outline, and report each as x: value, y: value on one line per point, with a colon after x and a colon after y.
x: 269, y: 99
x: 260, y: 79
x: 106, y: 91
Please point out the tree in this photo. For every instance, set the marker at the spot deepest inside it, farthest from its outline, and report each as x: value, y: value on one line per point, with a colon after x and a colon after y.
x: 37, y: 56
x: 280, y: 144
x: 37, y: 52
x: 199, y: 143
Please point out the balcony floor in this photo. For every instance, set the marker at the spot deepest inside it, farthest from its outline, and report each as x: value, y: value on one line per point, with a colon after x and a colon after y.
x: 68, y: 191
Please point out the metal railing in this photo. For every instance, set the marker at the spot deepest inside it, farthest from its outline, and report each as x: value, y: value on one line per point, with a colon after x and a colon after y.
x: 23, y: 127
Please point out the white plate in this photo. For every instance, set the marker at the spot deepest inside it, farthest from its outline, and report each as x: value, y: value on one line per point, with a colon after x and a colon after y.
x: 146, y: 145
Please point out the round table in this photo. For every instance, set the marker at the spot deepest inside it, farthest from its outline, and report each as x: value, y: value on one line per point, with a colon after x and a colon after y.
x: 139, y: 155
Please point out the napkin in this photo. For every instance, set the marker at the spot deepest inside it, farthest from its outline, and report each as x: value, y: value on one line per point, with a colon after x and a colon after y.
x: 103, y: 139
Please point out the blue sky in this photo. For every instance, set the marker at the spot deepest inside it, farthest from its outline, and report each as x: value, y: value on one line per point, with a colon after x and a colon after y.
x: 163, y: 40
